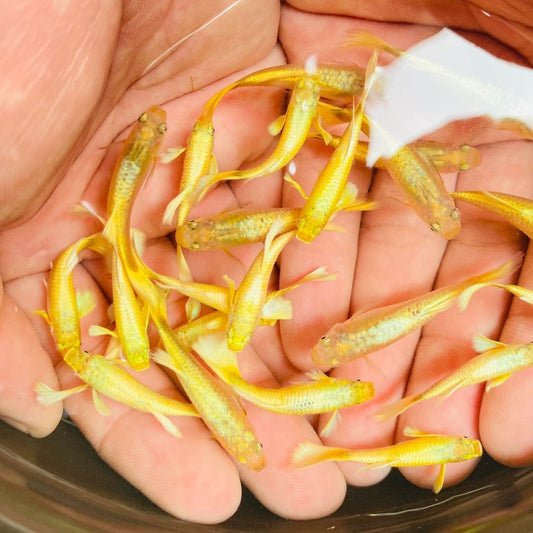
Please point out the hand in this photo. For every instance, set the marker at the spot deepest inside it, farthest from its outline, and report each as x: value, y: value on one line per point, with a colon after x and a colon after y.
x: 105, y: 86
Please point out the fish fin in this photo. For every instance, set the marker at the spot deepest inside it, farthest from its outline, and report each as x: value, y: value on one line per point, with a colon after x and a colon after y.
x: 276, y: 125
x: 483, y: 344
x: 335, y: 227
x: 96, y: 331
x: 213, y: 166
x: 272, y: 233
x: 365, y: 39
x: 319, y: 274
x: 85, y: 208
x: 326, y: 135
x: 331, y: 424
x: 47, y: 395
x: 386, y: 412
x: 295, y: 185
x: 375, y: 368
x: 450, y: 391
x: 232, y: 289
x: 492, y: 275
x: 100, y: 405
x: 276, y: 308
x: 308, y: 453
x: 439, y: 482
x: 331, y: 114
x: 213, y: 349
x: 138, y: 239
x: 317, y: 375
x: 113, y: 351
x: 42, y: 313
x: 192, y: 306
x: 163, y: 358
x: 169, y: 426
x: 496, y: 382
x: 169, y: 215
x: 111, y: 312
x: 464, y: 298
x: 85, y: 302
x: 171, y: 154
x: 410, y: 431
x: 233, y: 256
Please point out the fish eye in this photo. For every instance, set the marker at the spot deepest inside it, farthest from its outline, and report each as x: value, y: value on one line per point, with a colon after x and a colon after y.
x: 161, y: 128
x: 143, y: 117
x: 464, y: 166
x: 454, y: 215
x: 434, y: 226
x: 192, y: 224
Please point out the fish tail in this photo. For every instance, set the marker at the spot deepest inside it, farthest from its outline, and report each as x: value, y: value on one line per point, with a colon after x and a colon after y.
x: 365, y: 39
x: 473, y: 284
x: 309, y: 453
x: 392, y: 410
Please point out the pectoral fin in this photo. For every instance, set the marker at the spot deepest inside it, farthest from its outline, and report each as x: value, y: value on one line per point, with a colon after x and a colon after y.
x: 167, y: 424
x: 496, y: 382
x: 101, y: 407
x: 439, y: 482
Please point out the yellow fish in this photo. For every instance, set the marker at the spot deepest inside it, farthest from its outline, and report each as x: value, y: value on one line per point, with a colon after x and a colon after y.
x: 248, y: 300
x: 65, y: 305
x: 220, y: 410
x: 495, y: 365
x: 321, y: 395
x: 373, y: 329
x: 108, y: 378
x: 300, y: 115
x: 425, y: 449
x: 515, y: 209
x: 332, y: 180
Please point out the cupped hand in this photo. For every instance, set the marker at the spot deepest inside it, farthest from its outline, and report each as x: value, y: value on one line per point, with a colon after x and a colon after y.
x: 67, y: 106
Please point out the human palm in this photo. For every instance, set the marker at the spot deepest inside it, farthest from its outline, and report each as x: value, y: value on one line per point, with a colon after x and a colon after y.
x: 384, y: 256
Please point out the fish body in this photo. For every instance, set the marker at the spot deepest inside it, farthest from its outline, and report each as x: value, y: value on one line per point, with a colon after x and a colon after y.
x: 330, y: 184
x: 220, y: 410
x: 421, y: 183
x: 421, y: 451
x: 65, y: 306
x: 320, y: 395
x: 250, y: 297
x: 494, y: 365
x: 515, y: 209
x: 373, y: 329
x: 110, y: 379
x: 130, y: 318
x: 132, y: 169
x: 233, y: 228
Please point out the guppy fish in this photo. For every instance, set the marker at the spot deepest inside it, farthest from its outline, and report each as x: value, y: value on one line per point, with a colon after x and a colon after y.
x: 425, y: 449
x: 65, y: 305
x: 244, y: 226
x: 220, y: 410
x: 110, y: 379
x: 496, y: 363
x: 515, y: 209
x: 321, y: 395
x: 132, y: 168
x: 248, y: 300
x: 300, y: 115
x: 332, y: 180
x: 373, y: 329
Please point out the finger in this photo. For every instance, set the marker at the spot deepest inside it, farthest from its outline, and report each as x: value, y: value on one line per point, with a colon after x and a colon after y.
x: 23, y: 363
x: 455, y: 13
x: 485, y: 242
x: 505, y: 413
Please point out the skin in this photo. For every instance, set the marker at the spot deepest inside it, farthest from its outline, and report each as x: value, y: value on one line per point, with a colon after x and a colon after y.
x: 98, y: 89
